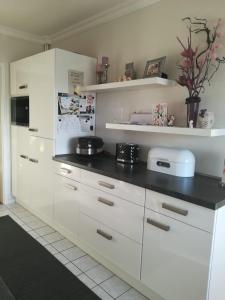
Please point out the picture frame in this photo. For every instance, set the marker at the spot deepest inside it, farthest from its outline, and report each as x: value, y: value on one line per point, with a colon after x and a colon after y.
x: 154, y: 67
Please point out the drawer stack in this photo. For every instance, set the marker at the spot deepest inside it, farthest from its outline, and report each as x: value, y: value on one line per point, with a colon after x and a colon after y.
x: 112, y: 220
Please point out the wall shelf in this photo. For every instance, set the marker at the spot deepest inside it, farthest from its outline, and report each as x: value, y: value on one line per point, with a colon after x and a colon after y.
x: 127, y: 85
x: 168, y: 130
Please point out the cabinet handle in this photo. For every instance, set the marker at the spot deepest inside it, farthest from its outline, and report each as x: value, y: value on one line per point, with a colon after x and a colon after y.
x: 24, y: 156
x: 33, y: 129
x: 72, y: 187
x: 104, y: 234
x: 24, y: 86
x: 106, y: 185
x: 105, y: 201
x: 158, y: 224
x: 65, y: 170
x: 33, y: 160
x: 177, y: 210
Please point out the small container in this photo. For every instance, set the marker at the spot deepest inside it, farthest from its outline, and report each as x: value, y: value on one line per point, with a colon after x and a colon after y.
x: 127, y: 153
x: 170, y: 161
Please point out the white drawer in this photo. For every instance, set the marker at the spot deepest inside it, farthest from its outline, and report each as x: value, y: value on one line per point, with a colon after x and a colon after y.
x: 121, y: 215
x: 188, y: 213
x: 67, y: 171
x: 115, y: 247
x: 115, y: 187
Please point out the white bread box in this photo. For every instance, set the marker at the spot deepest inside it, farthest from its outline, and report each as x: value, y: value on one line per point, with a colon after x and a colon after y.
x: 177, y: 162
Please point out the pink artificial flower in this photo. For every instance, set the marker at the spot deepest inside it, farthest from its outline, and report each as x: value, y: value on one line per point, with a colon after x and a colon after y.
x: 189, y: 53
x: 219, y: 34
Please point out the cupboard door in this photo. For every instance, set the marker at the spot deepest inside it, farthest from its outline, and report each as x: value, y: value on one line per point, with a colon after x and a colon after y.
x: 66, y: 204
x: 42, y: 95
x: 40, y: 160
x: 176, y: 258
x: 20, y: 77
x: 24, y: 181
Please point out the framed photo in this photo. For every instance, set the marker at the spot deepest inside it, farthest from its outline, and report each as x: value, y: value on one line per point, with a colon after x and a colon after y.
x: 155, y: 67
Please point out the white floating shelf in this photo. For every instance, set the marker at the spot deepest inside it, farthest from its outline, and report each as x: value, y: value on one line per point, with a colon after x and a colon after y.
x: 168, y: 130
x: 127, y: 85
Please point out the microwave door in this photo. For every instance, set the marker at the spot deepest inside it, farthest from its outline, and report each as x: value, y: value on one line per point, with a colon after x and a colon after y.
x: 20, y: 111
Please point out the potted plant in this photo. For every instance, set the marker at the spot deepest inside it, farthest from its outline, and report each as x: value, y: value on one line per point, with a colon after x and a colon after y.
x: 199, y: 64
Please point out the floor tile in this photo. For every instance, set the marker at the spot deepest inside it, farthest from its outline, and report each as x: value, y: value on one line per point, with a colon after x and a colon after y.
x: 85, y: 263
x: 73, y: 253
x: 61, y: 258
x: 99, y: 274
x: 53, y: 237
x: 36, y: 224
x: 42, y: 241
x: 33, y: 234
x: 51, y: 249
x: 73, y: 269
x: 4, y: 213
x: 44, y: 230
x: 101, y: 293
x: 62, y: 245
x: 115, y: 287
x: 87, y: 281
x: 29, y: 219
x: 132, y: 294
x: 25, y: 227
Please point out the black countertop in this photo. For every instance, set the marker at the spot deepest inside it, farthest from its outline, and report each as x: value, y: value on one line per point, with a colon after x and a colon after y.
x: 201, y: 190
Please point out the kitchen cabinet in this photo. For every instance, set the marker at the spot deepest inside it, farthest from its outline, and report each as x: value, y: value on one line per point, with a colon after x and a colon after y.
x: 176, y: 258
x: 115, y: 247
x: 41, y: 169
x: 121, y: 215
x: 32, y: 172
x: 42, y: 95
x: 66, y: 204
x: 20, y: 77
x: 19, y: 154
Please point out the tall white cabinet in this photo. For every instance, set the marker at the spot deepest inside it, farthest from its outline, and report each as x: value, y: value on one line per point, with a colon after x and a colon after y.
x: 41, y: 77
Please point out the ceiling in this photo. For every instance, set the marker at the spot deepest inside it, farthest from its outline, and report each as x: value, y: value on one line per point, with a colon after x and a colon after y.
x: 49, y: 17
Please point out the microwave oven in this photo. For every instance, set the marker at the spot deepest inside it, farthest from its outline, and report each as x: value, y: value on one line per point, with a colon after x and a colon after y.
x: 20, y: 111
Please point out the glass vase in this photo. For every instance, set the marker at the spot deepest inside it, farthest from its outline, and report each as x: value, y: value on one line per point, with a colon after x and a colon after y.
x: 192, y: 111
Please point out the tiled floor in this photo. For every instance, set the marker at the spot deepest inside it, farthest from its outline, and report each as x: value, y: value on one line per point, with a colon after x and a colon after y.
x: 102, y: 281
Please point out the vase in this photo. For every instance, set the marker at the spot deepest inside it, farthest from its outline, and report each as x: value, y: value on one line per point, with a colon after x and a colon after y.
x: 192, y: 111
x: 207, y: 121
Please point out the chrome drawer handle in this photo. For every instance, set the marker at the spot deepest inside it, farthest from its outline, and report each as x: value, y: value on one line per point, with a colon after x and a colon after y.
x: 106, y: 185
x: 174, y: 209
x: 72, y: 187
x: 65, y: 170
x: 104, y: 234
x: 158, y: 224
x: 33, y: 160
x: 33, y: 129
x: 24, y: 86
x: 24, y: 156
x: 105, y: 201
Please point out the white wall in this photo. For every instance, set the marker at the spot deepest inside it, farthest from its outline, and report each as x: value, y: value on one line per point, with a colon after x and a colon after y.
x: 147, y: 34
x: 12, y: 49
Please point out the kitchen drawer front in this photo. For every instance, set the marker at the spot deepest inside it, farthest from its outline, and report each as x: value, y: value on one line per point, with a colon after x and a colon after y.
x: 176, y: 258
x: 115, y: 187
x: 188, y: 213
x: 118, y: 214
x: 120, y: 250
x: 67, y: 171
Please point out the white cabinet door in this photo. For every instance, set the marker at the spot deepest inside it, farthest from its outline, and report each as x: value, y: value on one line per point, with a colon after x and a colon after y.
x: 42, y: 95
x: 19, y: 77
x: 19, y: 153
x: 41, y: 166
x: 176, y: 257
x: 66, y: 204
x: 24, y: 181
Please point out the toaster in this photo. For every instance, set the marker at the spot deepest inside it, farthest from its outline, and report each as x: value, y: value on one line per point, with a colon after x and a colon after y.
x: 177, y: 162
x: 127, y: 153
